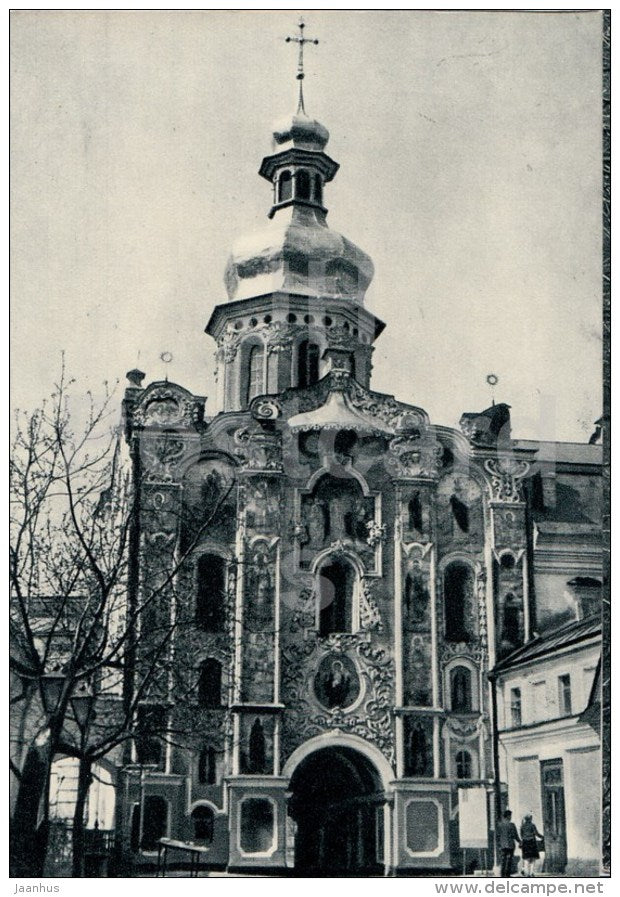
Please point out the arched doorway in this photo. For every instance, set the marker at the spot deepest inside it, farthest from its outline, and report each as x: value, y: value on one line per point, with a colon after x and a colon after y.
x: 337, y: 802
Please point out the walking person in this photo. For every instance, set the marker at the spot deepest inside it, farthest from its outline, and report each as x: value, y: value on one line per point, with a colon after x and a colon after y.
x: 530, y: 836
x: 507, y: 839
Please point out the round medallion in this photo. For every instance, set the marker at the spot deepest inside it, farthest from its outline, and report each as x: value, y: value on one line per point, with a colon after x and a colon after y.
x: 336, y: 682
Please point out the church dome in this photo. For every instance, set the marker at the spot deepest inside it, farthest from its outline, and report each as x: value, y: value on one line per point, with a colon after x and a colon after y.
x: 297, y: 253
x: 300, y: 131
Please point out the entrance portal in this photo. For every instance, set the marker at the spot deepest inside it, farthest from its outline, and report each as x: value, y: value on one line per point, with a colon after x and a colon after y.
x: 337, y: 802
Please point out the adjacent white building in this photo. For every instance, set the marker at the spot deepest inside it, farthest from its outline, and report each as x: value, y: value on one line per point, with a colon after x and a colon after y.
x: 549, y: 753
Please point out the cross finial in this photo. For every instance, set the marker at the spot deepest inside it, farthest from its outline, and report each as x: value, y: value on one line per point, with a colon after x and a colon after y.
x: 301, y: 40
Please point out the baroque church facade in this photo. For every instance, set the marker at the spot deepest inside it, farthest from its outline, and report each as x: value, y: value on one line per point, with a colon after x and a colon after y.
x: 354, y: 572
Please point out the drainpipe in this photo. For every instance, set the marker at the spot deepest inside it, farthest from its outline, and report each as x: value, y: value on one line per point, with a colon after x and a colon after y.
x: 497, y: 791
x: 529, y: 556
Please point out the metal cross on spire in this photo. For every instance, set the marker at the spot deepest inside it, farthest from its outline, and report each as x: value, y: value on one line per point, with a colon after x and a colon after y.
x: 301, y: 40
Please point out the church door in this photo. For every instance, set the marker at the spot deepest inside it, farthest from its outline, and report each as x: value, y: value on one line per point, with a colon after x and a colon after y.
x: 337, y: 804
x: 554, y: 818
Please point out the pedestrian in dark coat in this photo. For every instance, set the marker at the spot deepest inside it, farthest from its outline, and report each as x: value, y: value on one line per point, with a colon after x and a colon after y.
x: 530, y: 837
x: 507, y: 839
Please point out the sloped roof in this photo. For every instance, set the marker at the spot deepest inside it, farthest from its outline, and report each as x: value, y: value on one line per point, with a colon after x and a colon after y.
x: 543, y: 645
x: 592, y: 714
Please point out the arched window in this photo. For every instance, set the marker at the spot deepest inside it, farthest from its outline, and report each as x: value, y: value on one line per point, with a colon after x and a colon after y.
x: 255, y: 378
x: 507, y: 561
x: 460, y: 512
x: 458, y: 590
x: 463, y: 765
x: 256, y: 751
x: 353, y: 368
x: 202, y: 823
x: 210, y: 683
x: 285, y: 186
x: 511, y: 629
x: 414, y: 509
x: 335, y: 592
x: 207, y: 769
x: 318, y: 189
x: 307, y: 363
x: 211, y: 593
x: 460, y: 690
x: 302, y: 185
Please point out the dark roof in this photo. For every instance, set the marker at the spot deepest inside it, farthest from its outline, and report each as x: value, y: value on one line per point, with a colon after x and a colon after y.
x: 562, y: 452
x: 592, y: 714
x: 569, y: 634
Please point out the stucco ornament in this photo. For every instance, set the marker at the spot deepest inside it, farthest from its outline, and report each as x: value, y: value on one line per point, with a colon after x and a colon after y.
x: 411, y: 456
x: 228, y: 344
x: 481, y: 592
x: 370, y: 718
x: 376, y: 533
x: 166, y: 406
x: 258, y: 450
x: 161, y: 455
x: 461, y: 728
x: 339, y: 337
x: 265, y: 409
x: 506, y: 475
x: 370, y: 617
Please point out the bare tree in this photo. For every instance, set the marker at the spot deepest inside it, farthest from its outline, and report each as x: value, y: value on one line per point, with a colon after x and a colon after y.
x: 77, y: 602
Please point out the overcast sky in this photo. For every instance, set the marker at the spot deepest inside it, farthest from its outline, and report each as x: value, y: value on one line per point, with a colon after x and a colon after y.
x: 469, y: 145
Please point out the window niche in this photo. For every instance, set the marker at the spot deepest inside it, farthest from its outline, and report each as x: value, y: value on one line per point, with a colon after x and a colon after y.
x: 463, y: 765
x: 416, y: 600
x: 211, y: 572
x: 210, y: 684
x: 151, y: 727
x: 302, y: 185
x: 155, y: 824
x: 207, y: 766
x: 335, y: 585
x: 252, y: 372
x: 337, y: 510
x: 285, y: 187
x: 414, y: 517
x: 209, y: 503
x: 511, y: 632
x: 418, y: 747
x: 461, y: 693
x: 256, y: 742
x: 257, y: 748
x: 202, y: 824
x: 307, y: 363
x: 458, y: 591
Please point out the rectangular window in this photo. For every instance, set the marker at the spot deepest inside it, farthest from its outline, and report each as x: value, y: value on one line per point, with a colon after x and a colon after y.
x: 515, y: 707
x: 564, y: 695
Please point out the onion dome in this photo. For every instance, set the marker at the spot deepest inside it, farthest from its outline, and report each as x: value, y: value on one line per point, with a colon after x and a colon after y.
x: 301, y: 132
x: 297, y: 253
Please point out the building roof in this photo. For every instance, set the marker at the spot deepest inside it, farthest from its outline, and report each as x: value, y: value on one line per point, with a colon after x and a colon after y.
x: 592, y: 714
x: 562, y: 452
x: 545, y: 645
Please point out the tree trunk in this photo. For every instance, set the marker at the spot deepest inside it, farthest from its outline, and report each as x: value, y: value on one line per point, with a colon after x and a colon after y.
x: 84, y: 779
x: 28, y: 841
